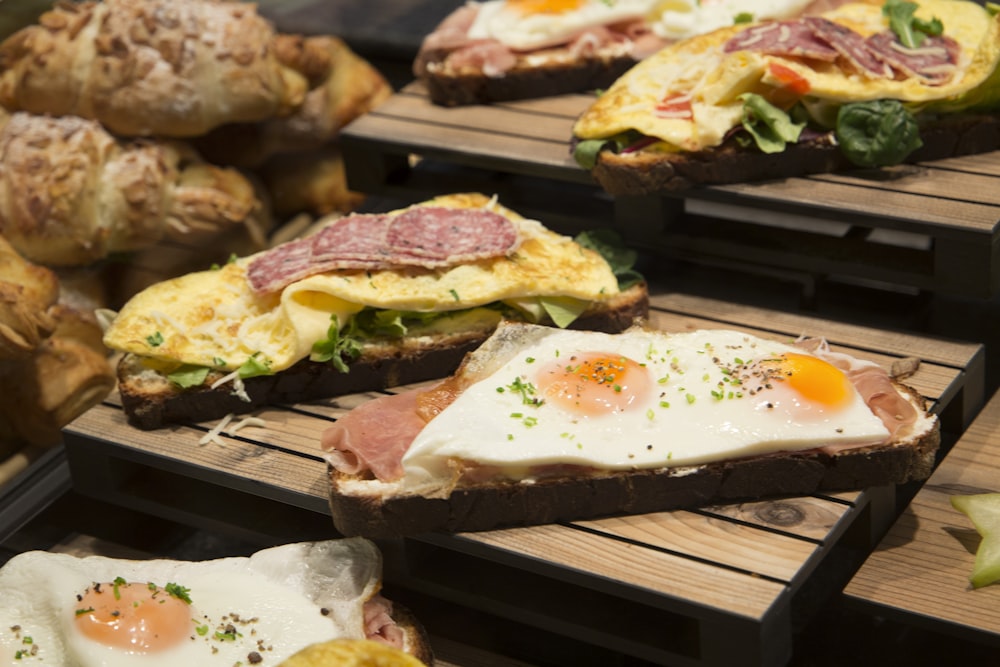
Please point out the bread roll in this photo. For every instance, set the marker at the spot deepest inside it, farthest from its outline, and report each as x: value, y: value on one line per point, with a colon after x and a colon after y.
x: 150, y: 67
x: 70, y: 193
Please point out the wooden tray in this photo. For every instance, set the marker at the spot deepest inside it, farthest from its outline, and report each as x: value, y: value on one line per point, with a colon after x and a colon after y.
x: 932, y: 226
x: 920, y: 572
x: 726, y: 580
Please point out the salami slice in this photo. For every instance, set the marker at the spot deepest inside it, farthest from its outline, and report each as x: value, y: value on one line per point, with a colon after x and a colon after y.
x: 935, y: 61
x: 353, y: 237
x: 783, y: 38
x: 851, y: 45
x: 425, y: 236
x: 450, y: 235
x: 280, y: 266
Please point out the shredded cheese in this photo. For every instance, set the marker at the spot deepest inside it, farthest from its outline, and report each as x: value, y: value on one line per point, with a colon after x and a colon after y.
x: 213, y: 433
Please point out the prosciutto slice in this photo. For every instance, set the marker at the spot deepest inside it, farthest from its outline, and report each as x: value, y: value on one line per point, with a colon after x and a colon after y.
x: 374, y: 436
x: 428, y: 237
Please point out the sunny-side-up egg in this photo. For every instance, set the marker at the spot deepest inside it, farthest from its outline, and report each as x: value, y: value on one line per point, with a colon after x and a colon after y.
x: 641, y: 399
x: 525, y: 25
x: 679, y: 19
x: 61, y: 610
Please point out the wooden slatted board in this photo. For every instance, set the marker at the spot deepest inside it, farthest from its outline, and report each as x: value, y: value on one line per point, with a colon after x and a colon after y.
x: 724, y: 578
x: 920, y: 572
x: 932, y: 226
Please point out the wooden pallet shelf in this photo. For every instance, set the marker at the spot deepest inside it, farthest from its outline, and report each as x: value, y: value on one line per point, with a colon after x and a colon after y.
x: 725, y: 579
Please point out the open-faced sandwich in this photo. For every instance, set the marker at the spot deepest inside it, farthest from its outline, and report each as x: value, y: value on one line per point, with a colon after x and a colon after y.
x: 541, y: 425
x: 867, y: 84
x: 60, y: 609
x: 515, y: 49
x: 367, y: 302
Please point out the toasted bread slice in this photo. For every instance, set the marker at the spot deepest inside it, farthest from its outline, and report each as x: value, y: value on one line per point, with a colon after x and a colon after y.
x: 648, y: 172
x: 366, y: 508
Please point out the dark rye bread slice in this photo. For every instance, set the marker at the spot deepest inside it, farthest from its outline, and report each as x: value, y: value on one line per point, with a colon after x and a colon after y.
x: 494, y: 505
x: 525, y: 81
x: 151, y: 401
x: 649, y: 172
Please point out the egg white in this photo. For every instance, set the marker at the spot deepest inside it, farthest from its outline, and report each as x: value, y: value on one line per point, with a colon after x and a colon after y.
x: 679, y: 19
x: 296, y: 594
x: 525, y: 32
x: 692, y: 415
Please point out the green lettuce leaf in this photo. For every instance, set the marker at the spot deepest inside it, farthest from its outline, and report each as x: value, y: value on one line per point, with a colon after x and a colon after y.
x: 563, y: 309
x: 188, y: 376
x: 771, y: 128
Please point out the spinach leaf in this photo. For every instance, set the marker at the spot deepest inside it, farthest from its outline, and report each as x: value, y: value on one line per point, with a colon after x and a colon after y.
x: 877, y: 133
x: 771, y: 128
x: 609, y: 244
x: 586, y: 150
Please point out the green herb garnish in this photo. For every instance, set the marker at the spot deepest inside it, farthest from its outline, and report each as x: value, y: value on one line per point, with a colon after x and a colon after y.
x: 910, y: 30
x: 179, y: 592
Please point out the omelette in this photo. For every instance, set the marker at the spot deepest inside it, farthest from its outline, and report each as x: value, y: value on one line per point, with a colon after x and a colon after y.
x: 216, y: 319
x: 778, y: 79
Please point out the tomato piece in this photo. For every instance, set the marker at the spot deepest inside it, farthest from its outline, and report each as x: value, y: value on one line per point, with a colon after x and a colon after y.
x: 789, y: 78
x: 675, y: 106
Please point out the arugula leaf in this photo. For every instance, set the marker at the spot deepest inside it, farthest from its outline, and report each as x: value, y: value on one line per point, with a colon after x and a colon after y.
x: 609, y: 244
x: 877, y: 133
x: 336, y: 347
x: 910, y: 30
x: 254, y: 366
x: 771, y: 128
x: 188, y: 375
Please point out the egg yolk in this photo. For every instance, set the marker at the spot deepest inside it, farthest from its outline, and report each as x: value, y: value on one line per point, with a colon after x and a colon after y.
x: 543, y: 6
x: 813, y: 379
x: 138, y: 618
x: 593, y: 384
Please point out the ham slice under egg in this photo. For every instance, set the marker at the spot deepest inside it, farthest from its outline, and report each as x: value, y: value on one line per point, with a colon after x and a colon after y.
x: 807, y: 381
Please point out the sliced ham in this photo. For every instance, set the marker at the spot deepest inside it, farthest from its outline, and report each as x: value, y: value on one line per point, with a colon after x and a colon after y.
x: 450, y: 34
x: 490, y: 56
x: 379, y: 624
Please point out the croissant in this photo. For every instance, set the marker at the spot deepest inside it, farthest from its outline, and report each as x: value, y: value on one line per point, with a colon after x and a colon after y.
x: 343, y: 87
x: 150, y: 67
x: 71, y: 194
x: 60, y: 380
x: 28, y: 293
